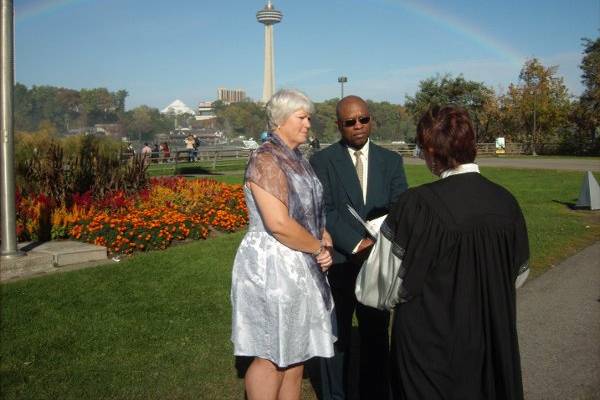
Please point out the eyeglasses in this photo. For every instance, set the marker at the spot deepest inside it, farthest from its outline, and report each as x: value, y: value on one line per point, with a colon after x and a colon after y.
x: 347, y: 123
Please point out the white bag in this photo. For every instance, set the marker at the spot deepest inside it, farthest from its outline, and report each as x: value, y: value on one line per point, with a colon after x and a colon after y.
x: 379, y: 280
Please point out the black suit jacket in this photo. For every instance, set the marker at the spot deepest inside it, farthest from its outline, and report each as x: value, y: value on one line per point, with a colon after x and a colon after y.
x: 336, y: 171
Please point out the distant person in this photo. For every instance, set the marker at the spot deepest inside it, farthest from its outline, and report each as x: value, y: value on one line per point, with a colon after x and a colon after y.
x: 462, y: 247
x: 190, y: 144
x: 355, y: 171
x: 146, y: 153
x: 264, y: 136
x: 315, y: 144
x: 282, y: 305
x: 165, y: 151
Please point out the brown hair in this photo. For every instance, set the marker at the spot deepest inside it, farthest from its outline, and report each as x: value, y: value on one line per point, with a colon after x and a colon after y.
x: 448, y: 131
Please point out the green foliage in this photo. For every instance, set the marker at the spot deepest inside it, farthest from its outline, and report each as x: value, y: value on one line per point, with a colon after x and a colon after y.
x: 65, y: 108
x: 443, y: 90
x: 323, y: 122
x: 242, y: 119
x: 391, y: 122
x: 590, y: 66
x: 586, y: 112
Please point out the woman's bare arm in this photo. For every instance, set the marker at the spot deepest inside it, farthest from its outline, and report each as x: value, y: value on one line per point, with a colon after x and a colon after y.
x: 284, y: 228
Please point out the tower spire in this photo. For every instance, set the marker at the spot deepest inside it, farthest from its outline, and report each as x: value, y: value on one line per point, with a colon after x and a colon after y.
x: 269, y: 16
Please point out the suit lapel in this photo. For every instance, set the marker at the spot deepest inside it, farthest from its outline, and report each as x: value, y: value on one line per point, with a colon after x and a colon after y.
x: 346, y: 173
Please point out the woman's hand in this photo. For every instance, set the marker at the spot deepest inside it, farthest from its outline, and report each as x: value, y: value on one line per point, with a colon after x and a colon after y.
x: 325, y: 259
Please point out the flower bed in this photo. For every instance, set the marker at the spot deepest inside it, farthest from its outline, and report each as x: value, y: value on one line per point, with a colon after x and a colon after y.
x: 173, y: 208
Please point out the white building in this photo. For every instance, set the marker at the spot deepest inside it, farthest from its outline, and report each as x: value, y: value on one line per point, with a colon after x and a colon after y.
x: 178, y: 107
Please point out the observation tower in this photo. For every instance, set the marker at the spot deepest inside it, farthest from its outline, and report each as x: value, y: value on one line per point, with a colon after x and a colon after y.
x: 269, y: 16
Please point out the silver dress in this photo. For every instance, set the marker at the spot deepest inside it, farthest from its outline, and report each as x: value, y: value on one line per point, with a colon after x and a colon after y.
x: 282, y: 305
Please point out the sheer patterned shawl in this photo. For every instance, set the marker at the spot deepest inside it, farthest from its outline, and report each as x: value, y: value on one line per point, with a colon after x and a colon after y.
x: 285, y: 174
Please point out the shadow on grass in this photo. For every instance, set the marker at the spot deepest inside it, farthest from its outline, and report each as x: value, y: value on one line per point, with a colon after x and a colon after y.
x: 312, y: 369
x: 568, y: 204
x: 195, y: 170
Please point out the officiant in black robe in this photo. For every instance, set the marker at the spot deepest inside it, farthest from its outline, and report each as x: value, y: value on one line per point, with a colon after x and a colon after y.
x: 462, y: 246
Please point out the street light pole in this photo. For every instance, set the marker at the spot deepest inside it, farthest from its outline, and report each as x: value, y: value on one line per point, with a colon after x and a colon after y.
x: 8, y: 227
x: 533, y: 153
x: 342, y: 80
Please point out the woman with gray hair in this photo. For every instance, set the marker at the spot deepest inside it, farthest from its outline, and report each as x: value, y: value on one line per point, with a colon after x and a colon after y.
x: 282, y: 305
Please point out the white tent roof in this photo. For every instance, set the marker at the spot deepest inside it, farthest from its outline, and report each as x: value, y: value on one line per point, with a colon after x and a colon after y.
x: 177, y: 107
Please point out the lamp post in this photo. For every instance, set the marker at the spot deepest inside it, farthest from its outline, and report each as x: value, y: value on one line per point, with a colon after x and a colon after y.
x: 342, y: 80
x: 8, y: 229
x: 533, y: 153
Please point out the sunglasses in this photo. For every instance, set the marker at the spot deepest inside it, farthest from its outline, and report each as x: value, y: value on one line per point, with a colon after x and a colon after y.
x: 347, y: 123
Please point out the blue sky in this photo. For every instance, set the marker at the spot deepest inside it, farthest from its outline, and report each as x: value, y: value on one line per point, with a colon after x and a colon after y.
x: 160, y: 51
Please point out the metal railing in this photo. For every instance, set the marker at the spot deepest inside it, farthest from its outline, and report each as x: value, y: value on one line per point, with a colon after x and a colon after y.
x: 222, y: 157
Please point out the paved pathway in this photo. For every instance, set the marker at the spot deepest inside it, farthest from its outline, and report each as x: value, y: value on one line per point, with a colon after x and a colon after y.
x: 572, y: 164
x: 558, y: 318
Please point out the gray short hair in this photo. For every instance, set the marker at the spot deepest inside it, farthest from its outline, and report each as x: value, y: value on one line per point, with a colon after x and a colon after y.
x: 283, y: 103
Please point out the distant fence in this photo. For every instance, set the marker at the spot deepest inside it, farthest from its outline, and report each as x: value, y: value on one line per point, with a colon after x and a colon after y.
x: 223, y: 157
x: 483, y: 149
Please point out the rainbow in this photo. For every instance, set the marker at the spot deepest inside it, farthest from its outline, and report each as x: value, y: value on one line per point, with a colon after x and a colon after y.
x: 26, y: 9
x: 466, y: 29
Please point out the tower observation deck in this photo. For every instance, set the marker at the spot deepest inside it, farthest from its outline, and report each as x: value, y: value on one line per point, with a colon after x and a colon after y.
x: 269, y: 16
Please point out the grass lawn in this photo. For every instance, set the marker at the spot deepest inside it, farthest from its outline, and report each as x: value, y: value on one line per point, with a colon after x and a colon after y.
x: 157, y: 325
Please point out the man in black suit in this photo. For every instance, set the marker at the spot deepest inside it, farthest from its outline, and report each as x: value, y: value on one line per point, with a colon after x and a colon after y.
x: 357, y: 172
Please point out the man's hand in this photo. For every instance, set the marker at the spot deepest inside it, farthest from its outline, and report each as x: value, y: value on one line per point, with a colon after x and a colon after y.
x: 364, y: 244
x: 327, y: 241
x: 363, y: 251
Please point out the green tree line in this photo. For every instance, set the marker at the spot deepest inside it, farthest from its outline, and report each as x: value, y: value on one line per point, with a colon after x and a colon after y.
x: 536, y: 110
x: 62, y: 110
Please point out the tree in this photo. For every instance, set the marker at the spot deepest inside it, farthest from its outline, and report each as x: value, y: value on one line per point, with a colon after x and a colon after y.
x: 242, y: 119
x: 70, y: 103
x: 119, y: 100
x: 98, y: 106
x: 23, y: 108
x: 65, y: 108
x: 538, y: 107
x: 141, y: 122
x: 590, y: 65
x: 444, y: 90
x: 323, y: 122
x: 586, y: 113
